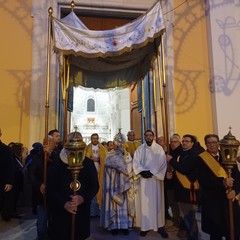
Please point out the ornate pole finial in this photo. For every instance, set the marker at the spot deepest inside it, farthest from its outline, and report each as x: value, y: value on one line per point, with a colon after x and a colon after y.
x: 72, y: 5
x: 50, y: 11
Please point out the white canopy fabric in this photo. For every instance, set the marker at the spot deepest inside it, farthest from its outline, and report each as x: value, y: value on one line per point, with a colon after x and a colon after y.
x: 110, y: 58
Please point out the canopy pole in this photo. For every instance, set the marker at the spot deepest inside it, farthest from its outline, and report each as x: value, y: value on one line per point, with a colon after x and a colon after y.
x: 161, y: 95
x: 50, y: 11
x: 66, y: 97
x: 164, y: 82
x: 155, y: 98
x: 64, y: 87
x: 143, y: 107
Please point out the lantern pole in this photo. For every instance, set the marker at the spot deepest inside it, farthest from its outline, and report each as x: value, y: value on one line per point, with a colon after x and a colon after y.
x: 229, y: 148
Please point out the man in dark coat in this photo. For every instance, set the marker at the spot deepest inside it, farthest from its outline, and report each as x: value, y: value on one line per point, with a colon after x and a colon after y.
x: 61, y: 201
x: 186, y: 186
x: 175, y: 149
x: 214, y: 182
x: 36, y: 177
x: 6, y: 181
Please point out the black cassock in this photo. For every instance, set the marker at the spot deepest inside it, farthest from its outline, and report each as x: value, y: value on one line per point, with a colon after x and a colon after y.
x: 58, y: 193
x: 215, y: 205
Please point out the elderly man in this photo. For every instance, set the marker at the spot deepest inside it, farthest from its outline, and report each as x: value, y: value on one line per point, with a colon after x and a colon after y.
x: 131, y: 144
x: 215, y: 184
x: 150, y: 165
x: 175, y: 150
x: 97, y: 153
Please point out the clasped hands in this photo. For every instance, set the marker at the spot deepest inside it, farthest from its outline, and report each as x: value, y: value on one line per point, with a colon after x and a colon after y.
x: 146, y: 174
x: 71, y: 206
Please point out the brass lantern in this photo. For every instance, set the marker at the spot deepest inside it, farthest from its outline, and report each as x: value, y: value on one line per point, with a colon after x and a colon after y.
x: 229, y: 149
x: 75, y: 155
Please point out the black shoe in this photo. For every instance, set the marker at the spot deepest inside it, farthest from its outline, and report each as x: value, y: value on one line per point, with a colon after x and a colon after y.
x: 125, y: 231
x: 114, y: 232
x: 6, y: 219
x: 163, y: 232
x: 143, y: 233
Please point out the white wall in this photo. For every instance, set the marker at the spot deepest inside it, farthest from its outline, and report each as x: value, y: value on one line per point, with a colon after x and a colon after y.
x: 224, y: 32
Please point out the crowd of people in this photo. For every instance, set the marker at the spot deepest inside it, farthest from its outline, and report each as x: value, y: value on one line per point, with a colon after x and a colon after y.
x: 125, y: 183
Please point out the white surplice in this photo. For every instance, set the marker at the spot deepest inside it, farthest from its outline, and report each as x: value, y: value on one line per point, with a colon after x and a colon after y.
x: 149, y: 199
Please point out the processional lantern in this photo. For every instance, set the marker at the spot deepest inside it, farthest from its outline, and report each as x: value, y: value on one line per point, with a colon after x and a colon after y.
x: 229, y: 148
x: 75, y: 155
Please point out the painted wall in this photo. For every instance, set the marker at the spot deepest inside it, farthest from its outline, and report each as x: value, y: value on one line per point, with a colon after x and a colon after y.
x: 206, y: 67
x: 15, y: 70
x: 193, y: 110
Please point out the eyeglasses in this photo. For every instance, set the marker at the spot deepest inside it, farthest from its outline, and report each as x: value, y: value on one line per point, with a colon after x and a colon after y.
x: 211, y: 143
x: 186, y: 141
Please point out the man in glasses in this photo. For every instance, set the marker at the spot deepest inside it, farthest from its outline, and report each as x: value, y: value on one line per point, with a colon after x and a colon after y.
x: 186, y: 186
x: 215, y: 185
x: 149, y: 165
